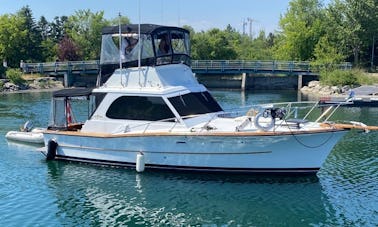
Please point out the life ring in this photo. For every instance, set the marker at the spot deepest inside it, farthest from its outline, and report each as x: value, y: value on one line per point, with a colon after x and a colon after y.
x: 266, y: 127
x: 52, y: 146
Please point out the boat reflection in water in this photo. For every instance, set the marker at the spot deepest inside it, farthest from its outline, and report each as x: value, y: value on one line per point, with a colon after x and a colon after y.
x: 93, y: 195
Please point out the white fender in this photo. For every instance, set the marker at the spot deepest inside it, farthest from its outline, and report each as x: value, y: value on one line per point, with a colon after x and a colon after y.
x: 139, y: 162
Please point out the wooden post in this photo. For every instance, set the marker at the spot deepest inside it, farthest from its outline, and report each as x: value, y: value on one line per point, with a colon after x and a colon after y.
x: 243, y: 81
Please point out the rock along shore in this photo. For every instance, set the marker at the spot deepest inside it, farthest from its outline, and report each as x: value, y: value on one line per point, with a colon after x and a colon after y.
x: 314, y: 88
x: 38, y: 84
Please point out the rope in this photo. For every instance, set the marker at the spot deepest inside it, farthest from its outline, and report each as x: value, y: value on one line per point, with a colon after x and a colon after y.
x: 308, y: 146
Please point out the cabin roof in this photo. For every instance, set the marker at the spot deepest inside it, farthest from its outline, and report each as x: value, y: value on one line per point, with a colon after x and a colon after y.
x: 73, y: 92
x: 144, y: 29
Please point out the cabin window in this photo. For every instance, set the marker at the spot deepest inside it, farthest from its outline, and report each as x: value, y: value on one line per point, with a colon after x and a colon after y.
x: 195, y: 103
x: 139, y: 108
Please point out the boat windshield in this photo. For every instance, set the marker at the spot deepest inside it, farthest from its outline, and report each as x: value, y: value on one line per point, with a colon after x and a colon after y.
x: 195, y: 103
x: 110, y: 52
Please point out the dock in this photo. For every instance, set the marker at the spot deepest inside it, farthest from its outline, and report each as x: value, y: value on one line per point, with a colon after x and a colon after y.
x: 363, y: 96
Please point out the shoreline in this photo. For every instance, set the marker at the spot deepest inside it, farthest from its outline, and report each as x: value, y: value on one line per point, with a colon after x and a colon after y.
x: 29, y: 91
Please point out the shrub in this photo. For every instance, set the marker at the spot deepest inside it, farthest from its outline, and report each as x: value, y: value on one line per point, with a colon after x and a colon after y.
x: 15, y: 76
x: 340, y: 77
x: 367, y: 79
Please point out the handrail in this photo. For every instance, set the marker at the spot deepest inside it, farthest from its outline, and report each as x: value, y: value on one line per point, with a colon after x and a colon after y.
x: 267, y: 65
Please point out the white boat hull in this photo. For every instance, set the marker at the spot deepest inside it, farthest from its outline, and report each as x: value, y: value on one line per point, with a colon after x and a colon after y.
x: 304, y: 152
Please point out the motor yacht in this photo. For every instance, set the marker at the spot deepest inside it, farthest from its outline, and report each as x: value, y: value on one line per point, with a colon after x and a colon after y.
x: 149, y: 112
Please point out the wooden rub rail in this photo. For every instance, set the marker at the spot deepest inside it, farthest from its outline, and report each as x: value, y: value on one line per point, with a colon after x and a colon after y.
x: 366, y: 127
x: 352, y: 126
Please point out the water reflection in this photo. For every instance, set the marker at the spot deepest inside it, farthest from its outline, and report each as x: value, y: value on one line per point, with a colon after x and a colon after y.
x: 22, y: 147
x: 349, y: 179
x: 93, y: 195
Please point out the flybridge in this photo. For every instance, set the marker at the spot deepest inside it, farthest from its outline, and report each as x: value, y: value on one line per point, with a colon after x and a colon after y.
x: 158, y: 45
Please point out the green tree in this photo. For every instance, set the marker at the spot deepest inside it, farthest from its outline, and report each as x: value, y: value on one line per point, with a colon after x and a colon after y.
x: 326, y: 53
x: 115, y: 21
x: 353, y: 24
x: 301, y: 30
x: 84, y: 28
x: 259, y: 48
x: 31, y: 46
x: 12, y: 39
x: 48, y: 44
x: 57, y: 28
x: 211, y: 45
x: 49, y: 50
x: 44, y: 28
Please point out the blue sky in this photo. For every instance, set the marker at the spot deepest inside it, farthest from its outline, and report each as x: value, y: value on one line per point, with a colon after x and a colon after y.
x: 200, y: 14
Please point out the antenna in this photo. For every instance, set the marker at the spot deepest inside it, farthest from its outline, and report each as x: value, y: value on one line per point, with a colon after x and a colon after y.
x: 140, y: 40
x: 120, y: 40
x: 179, y: 13
x: 162, y: 11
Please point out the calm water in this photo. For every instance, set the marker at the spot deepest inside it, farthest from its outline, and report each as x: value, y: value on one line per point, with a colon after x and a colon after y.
x: 35, y: 192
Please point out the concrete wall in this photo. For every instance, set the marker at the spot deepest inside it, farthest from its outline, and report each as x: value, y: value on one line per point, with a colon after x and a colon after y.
x: 255, y: 82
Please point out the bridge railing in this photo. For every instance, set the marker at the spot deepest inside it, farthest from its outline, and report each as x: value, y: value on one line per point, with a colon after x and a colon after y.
x: 209, y: 66
x: 258, y: 66
x: 69, y: 66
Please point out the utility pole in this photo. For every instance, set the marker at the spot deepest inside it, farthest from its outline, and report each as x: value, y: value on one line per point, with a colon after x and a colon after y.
x: 250, y: 20
x: 244, y: 25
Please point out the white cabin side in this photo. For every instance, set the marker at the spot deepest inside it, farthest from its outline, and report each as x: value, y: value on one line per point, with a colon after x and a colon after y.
x: 147, y: 90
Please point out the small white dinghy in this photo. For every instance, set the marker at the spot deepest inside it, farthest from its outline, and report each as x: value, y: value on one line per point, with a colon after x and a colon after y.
x: 26, y: 134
